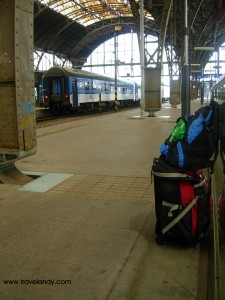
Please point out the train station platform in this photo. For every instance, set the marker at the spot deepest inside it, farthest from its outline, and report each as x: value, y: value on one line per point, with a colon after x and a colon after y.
x: 83, y: 229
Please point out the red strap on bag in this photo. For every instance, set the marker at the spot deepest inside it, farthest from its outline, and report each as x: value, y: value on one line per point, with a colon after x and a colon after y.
x: 187, y: 195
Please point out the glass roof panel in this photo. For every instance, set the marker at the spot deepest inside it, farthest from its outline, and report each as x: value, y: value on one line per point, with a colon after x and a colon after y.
x: 87, y: 12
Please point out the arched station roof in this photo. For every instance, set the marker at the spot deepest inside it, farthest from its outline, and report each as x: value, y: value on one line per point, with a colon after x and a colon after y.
x: 74, y: 28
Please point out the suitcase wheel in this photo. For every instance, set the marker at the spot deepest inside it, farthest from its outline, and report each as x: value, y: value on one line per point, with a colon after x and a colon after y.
x: 159, y: 240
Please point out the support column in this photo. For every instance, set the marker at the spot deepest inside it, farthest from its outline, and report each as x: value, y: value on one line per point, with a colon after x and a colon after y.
x: 153, y: 75
x: 202, y: 87
x: 152, y: 90
x: 185, y: 95
x: 142, y: 58
x: 175, y: 92
x: 17, y: 103
x: 117, y: 28
x: 193, y: 90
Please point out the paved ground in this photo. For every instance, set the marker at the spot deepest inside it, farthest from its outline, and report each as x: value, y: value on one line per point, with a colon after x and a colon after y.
x: 91, y: 234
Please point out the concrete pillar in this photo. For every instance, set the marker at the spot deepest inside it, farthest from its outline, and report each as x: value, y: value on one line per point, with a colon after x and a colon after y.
x: 17, y: 107
x: 193, y: 94
x: 175, y: 92
x: 152, y: 90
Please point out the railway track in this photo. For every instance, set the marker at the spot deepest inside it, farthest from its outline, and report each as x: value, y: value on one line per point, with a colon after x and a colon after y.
x: 46, y: 118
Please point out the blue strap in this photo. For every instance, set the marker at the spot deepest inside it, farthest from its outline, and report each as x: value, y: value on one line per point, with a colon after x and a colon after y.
x: 195, y: 128
x: 180, y: 155
x: 208, y: 118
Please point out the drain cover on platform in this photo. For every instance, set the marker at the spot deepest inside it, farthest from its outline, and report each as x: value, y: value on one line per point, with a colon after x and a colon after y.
x: 45, y: 182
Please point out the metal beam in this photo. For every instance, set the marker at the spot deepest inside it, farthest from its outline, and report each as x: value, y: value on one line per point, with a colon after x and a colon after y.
x: 17, y: 111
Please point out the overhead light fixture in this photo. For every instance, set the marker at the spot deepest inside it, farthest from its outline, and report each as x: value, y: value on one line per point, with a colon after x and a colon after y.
x: 118, y: 28
x: 205, y: 48
x: 196, y: 65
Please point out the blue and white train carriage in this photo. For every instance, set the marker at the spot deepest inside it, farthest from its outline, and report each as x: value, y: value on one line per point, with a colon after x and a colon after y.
x: 67, y: 88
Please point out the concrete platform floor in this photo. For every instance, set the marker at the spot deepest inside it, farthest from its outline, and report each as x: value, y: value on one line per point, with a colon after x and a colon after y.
x: 90, y: 235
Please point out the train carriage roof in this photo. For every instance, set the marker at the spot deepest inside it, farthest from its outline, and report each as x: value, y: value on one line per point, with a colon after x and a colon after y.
x: 58, y: 71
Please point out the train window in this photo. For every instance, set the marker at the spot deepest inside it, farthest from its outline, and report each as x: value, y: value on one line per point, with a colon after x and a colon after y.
x: 111, y: 87
x: 87, y: 85
x: 94, y: 85
x: 55, y: 85
x: 106, y: 87
x: 100, y: 86
x: 81, y: 84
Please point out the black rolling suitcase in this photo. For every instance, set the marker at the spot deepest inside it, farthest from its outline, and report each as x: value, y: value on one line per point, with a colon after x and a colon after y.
x: 222, y: 212
x: 222, y: 154
x: 183, y: 204
x: 222, y: 134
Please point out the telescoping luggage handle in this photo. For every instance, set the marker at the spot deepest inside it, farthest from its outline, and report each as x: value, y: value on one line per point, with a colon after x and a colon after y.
x: 174, y: 175
x: 180, y: 216
x: 222, y: 157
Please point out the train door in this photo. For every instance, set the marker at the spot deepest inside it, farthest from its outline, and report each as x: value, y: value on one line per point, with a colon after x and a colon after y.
x: 75, y: 93
x: 51, y: 91
x: 56, y: 88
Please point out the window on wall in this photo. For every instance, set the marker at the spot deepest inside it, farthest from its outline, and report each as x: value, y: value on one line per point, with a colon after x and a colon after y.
x: 43, y: 61
x: 102, y: 59
x: 221, y: 57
